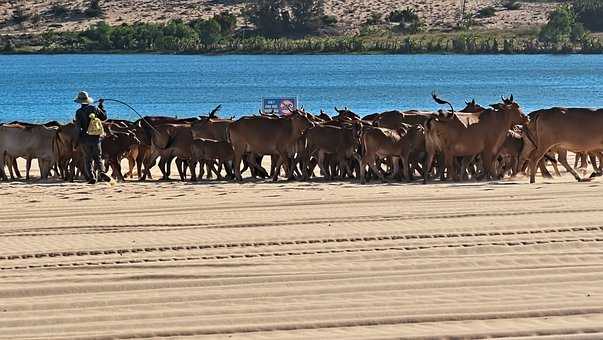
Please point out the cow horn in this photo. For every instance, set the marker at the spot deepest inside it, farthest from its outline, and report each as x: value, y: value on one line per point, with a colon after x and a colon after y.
x: 511, y: 98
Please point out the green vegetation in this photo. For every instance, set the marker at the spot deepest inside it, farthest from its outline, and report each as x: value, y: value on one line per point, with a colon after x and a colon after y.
x: 208, y: 36
x: 300, y: 26
x: 486, y: 12
x: 20, y: 15
x: 407, y: 20
x: 590, y: 14
x: 59, y: 10
x: 277, y: 18
x: 512, y: 5
x: 562, y: 27
x: 94, y: 9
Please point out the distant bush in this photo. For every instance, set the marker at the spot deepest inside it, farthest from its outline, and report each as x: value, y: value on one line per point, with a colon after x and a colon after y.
x: 59, y: 10
x: 20, y: 15
x: 590, y: 13
x: 329, y: 20
x: 486, y: 12
x: 562, y: 27
x: 273, y: 18
x: 373, y: 19
x: 407, y: 19
x: 512, y: 5
x: 94, y: 9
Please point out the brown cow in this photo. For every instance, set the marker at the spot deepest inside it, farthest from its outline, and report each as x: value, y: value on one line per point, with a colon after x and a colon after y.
x: 397, y: 144
x: 170, y: 141
x: 115, y: 145
x: 266, y: 136
x: 208, y: 151
x: 339, y: 142
x: 454, y: 138
x: 574, y: 129
x: 396, y: 119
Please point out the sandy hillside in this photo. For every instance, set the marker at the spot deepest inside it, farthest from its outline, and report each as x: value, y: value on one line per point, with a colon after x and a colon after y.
x: 301, y: 260
x: 440, y: 14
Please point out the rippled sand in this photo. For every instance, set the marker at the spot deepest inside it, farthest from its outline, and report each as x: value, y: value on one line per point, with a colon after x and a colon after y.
x: 301, y: 260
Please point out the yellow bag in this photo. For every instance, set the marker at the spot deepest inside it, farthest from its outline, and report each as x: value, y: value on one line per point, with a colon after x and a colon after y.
x: 95, y: 128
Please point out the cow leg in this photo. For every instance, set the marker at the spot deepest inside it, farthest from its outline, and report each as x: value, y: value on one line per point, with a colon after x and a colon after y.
x: 568, y: 167
x: 27, y: 168
x: 535, y: 158
x: 2, y: 163
x: 179, y: 165
x: 395, y: 168
x: 279, y: 163
x: 593, y: 161
x: 554, y: 163
x: 15, y: 168
x: 377, y: 170
x: 405, y: 159
x: 237, y: 165
x: 428, y: 162
x: 449, y: 164
x: 192, y: 164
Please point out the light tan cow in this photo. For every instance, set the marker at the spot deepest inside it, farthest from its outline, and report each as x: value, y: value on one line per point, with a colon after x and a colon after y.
x: 573, y: 129
x: 29, y: 142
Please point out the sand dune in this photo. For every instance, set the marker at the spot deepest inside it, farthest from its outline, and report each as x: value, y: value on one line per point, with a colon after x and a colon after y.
x: 351, y: 14
x: 295, y: 260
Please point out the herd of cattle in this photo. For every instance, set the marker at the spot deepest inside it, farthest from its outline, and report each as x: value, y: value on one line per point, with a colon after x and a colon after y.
x: 476, y: 142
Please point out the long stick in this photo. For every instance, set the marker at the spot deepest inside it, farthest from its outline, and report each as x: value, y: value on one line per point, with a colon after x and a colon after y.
x: 131, y: 108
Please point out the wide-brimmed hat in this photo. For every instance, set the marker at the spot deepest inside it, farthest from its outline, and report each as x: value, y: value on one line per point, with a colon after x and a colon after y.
x: 83, y: 98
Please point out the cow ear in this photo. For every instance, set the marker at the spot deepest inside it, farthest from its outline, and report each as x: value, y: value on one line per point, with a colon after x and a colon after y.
x: 496, y: 106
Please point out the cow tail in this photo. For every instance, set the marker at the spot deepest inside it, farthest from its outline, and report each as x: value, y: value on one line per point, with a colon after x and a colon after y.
x: 56, y: 147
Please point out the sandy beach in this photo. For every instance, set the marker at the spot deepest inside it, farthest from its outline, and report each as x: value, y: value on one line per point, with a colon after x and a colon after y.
x: 294, y: 260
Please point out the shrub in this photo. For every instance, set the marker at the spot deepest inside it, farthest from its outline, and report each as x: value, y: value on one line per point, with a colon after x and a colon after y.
x: 274, y: 18
x: 329, y: 20
x: 20, y: 15
x: 512, y: 5
x: 59, y: 10
x: 562, y: 27
x: 486, y: 12
x: 590, y: 13
x: 94, y: 9
x: 407, y: 19
x: 227, y: 22
x: 373, y: 19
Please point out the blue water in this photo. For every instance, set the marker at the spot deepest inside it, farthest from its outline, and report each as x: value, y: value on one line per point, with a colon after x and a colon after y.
x: 41, y: 87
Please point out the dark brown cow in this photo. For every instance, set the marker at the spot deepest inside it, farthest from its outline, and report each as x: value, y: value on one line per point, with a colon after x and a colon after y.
x: 209, y: 151
x: 266, y: 136
x: 379, y: 143
x: 338, y: 142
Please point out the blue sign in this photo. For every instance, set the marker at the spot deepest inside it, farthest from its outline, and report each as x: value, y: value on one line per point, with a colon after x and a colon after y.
x: 279, y: 106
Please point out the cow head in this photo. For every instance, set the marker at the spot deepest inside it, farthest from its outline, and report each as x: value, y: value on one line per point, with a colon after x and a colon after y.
x: 509, y: 106
x: 346, y: 113
x: 472, y: 107
x: 300, y: 121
